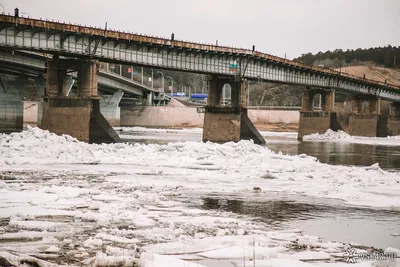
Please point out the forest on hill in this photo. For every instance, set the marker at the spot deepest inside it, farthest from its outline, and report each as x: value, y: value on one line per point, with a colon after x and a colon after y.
x: 378, y: 56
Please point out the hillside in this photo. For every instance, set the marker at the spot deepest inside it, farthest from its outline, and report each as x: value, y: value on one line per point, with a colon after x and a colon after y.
x: 382, y: 56
x: 374, y: 73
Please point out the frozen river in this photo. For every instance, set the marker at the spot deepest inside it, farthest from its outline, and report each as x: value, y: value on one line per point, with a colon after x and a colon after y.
x: 166, y: 199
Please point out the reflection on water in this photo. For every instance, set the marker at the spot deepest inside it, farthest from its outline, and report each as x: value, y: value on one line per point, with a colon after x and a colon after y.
x: 271, y: 211
x: 337, y: 153
x: 334, y: 222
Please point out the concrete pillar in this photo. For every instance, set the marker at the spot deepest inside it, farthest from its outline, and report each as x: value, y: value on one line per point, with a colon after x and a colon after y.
x: 56, y: 78
x: 224, y: 123
x: 109, y: 107
x: 40, y: 89
x: 149, y: 99
x: 328, y: 100
x: 87, y: 79
x: 306, y: 101
x: 78, y: 116
x: 214, y: 92
x: 11, y: 103
x: 244, y: 87
x: 365, y: 116
x: 393, y: 123
x: 317, y: 121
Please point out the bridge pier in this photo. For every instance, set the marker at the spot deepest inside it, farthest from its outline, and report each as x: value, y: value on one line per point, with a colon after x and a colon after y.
x: 393, y: 123
x: 364, y: 120
x: 228, y: 123
x: 317, y: 121
x: 40, y: 88
x: 110, y: 109
x: 78, y: 116
x: 149, y: 99
x: 11, y: 103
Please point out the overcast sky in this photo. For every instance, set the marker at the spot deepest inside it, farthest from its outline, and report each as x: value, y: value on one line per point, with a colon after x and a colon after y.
x: 273, y: 26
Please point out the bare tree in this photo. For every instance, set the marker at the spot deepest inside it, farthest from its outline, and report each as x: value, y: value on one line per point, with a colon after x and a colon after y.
x: 196, y: 81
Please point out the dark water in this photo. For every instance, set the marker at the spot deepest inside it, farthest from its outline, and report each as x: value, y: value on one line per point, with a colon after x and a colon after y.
x: 336, y: 153
x: 332, y: 221
x: 329, y: 219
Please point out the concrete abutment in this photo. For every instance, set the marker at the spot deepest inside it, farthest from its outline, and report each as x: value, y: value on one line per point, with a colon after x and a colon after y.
x: 228, y: 123
x: 11, y: 103
x: 317, y: 121
x: 393, y: 121
x: 365, y: 118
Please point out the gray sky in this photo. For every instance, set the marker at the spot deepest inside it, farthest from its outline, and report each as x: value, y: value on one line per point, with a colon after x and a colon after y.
x: 275, y: 27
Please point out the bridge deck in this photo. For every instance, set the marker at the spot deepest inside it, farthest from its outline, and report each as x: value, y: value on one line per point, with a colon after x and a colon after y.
x: 121, y: 47
x: 35, y: 63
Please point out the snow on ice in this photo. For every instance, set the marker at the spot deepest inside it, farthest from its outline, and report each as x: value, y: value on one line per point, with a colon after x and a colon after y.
x: 341, y: 136
x: 71, y: 203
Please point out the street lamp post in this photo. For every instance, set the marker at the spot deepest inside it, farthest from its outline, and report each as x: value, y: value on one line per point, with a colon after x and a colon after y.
x: 172, y: 84
x: 151, y: 78
x: 162, y: 80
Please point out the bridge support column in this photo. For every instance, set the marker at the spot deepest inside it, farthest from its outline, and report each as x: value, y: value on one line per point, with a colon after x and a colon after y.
x: 365, y: 116
x: 148, y: 101
x: 110, y: 109
x: 40, y: 88
x: 11, y: 103
x: 393, y: 123
x: 317, y: 121
x: 228, y: 123
x: 78, y: 116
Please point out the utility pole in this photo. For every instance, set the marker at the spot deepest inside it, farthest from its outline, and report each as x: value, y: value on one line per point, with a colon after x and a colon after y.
x: 142, y: 75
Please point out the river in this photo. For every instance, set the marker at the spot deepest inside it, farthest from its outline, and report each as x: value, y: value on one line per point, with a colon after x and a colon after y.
x: 329, y: 219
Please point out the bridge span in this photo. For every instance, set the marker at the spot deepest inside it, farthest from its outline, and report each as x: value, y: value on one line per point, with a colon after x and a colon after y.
x: 223, y: 65
x: 113, y: 87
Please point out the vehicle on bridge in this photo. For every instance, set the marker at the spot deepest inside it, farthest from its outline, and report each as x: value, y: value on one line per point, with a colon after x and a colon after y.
x: 179, y: 94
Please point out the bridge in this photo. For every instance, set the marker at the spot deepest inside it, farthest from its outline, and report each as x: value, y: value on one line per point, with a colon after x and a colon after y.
x: 224, y: 65
x: 35, y: 64
x: 113, y: 86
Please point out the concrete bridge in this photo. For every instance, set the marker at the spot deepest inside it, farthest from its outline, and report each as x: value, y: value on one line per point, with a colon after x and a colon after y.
x: 224, y: 65
x: 23, y: 66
